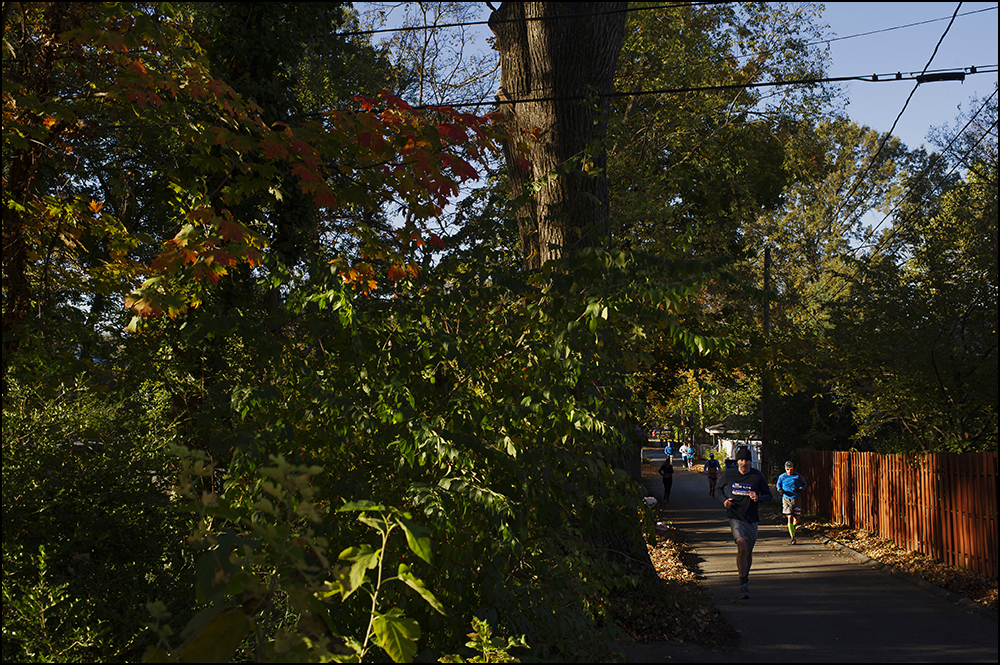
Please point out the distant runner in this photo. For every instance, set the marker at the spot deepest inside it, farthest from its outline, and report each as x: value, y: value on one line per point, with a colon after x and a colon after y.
x: 687, y: 452
x: 712, y: 468
x: 667, y: 471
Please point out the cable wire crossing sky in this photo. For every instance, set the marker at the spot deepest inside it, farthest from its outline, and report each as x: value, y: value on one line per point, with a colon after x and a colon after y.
x: 876, y: 48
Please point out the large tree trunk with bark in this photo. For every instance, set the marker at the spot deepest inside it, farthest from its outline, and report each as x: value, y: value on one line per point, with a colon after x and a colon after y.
x: 564, y: 55
x: 556, y: 59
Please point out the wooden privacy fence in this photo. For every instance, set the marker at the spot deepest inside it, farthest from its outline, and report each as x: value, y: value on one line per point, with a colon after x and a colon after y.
x: 943, y: 505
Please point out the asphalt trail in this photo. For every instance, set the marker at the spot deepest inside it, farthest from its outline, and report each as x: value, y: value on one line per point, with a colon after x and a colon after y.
x: 809, y: 602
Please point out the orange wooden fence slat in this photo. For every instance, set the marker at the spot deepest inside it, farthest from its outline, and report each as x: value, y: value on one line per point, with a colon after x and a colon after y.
x: 943, y: 505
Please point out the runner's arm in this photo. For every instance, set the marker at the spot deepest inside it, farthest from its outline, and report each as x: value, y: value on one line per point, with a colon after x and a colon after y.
x: 765, y: 495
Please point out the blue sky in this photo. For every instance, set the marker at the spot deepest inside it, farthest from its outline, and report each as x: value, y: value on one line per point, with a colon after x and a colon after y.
x: 972, y: 40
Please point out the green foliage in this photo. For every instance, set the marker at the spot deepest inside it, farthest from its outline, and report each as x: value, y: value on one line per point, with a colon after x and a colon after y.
x: 266, y: 573
x: 489, y: 649
x: 43, y: 622
x: 88, y: 528
x: 500, y: 442
x: 709, y: 161
x: 930, y: 384
x: 395, y: 433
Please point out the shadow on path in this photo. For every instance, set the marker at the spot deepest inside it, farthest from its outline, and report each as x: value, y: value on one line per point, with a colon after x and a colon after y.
x: 810, y: 603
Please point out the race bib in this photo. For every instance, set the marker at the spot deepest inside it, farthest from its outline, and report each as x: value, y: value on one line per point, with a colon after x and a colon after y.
x: 741, y: 489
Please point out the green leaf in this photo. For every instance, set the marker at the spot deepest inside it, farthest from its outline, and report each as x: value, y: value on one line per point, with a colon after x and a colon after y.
x: 417, y: 539
x: 397, y: 635
x: 361, y: 505
x: 219, y: 639
x: 364, y: 558
x: 418, y: 585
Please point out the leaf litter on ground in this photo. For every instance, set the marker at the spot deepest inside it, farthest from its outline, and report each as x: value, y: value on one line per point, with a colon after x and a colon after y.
x: 672, y: 605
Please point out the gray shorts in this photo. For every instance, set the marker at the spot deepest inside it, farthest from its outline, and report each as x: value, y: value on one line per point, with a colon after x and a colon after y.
x: 745, y: 530
x: 791, y: 506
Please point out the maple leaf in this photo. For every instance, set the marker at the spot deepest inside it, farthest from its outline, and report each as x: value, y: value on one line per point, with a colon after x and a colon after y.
x: 305, y: 174
x: 435, y: 241
x: 394, y: 101
x: 396, y: 273
x: 273, y: 149
x: 142, y: 306
x: 464, y: 170
x: 452, y: 132
x: 230, y: 230
x: 324, y: 198
x: 367, y: 103
x: 95, y: 206
x: 301, y: 147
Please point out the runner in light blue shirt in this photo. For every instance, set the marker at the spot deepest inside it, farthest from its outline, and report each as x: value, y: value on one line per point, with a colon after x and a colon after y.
x: 790, y: 486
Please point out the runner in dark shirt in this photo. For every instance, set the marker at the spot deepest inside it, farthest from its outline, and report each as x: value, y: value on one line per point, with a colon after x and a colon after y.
x: 742, y: 489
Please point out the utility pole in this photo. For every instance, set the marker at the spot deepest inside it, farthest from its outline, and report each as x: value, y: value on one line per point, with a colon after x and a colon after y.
x: 765, y: 371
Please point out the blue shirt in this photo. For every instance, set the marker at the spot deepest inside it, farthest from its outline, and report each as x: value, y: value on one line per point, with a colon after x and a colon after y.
x: 790, y: 485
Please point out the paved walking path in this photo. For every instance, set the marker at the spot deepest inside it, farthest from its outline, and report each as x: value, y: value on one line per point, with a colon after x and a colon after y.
x: 811, y: 603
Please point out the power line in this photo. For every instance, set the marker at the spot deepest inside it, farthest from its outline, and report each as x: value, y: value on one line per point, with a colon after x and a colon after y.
x: 923, y: 77
x: 896, y: 27
x: 885, y: 139
x: 888, y: 236
x: 359, y: 33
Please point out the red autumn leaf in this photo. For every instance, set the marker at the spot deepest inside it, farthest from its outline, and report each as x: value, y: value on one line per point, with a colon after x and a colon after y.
x: 435, y: 241
x: 464, y: 170
x: 305, y: 174
x: 301, y: 147
x: 394, y: 101
x: 273, y: 149
x: 324, y: 198
x: 452, y: 132
x: 222, y: 258
x: 367, y: 103
x: 142, y: 306
x: 396, y: 273
x: 230, y: 230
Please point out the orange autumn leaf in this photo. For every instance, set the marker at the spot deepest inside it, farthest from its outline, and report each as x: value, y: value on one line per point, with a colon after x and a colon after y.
x: 396, y: 273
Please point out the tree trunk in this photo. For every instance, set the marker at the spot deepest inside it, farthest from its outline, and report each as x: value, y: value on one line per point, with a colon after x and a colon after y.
x: 563, y: 54
x: 563, y: 59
